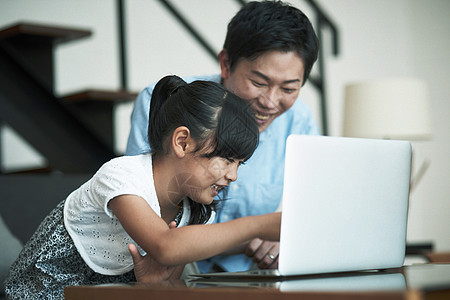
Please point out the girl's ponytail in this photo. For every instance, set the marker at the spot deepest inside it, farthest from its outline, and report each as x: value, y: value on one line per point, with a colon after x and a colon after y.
x: 165, y: 87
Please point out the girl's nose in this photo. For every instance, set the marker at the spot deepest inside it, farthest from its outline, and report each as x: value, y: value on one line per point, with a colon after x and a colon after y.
x: 231, y: 175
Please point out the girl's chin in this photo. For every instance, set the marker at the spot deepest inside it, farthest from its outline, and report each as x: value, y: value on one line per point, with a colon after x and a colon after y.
x: 205, y: 201
x: 206, y: 198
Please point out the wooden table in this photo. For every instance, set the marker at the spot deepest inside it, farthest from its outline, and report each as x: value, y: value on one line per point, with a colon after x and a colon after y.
x: 427, y: 281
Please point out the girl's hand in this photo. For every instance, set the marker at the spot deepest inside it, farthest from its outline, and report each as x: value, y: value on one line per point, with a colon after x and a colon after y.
x: 147, y: 270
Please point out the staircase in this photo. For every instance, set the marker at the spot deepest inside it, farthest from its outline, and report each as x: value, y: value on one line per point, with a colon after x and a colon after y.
x: 75, y: 132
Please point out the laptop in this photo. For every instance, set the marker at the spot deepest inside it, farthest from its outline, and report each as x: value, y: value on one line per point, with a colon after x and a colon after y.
x: 344, y: 207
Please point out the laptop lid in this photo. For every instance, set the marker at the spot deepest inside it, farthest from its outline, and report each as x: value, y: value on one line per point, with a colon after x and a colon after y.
x: 345, y: 203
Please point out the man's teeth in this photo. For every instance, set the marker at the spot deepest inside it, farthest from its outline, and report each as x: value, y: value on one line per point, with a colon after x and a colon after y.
x: 215, y: 187
x: 261, y: 117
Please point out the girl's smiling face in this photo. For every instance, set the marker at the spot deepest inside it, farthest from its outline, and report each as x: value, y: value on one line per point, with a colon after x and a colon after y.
x: 207, y: 176
x: 194, y: 169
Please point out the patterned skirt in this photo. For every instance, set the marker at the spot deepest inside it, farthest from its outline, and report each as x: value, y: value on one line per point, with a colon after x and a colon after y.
x: 50, y: 261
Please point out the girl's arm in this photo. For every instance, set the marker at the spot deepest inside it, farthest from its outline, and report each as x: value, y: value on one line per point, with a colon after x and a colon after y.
x: 146, y: 269
x: 189, y: 243
x: 239, y: 249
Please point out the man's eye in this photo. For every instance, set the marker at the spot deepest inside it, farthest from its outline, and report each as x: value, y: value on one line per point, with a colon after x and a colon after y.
x: 289, y: 91
x: 258, y: 84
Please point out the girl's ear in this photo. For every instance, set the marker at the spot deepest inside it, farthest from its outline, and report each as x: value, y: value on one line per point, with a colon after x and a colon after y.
x: 224, y: 64
x: 181, y: 141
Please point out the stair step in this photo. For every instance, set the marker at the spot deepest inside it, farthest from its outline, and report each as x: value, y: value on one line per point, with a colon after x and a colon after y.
x: 96, y: 109
x: 30, y: 33
x: 42, y: 170
x: 118, y: 96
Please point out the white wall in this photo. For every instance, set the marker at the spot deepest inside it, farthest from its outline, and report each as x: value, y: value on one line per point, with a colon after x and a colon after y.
x: 382, y: 38
x: 386, y: 38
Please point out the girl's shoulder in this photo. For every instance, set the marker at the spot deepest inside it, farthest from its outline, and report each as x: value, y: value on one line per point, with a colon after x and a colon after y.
x: 130, y: 163
x: 137, y: 169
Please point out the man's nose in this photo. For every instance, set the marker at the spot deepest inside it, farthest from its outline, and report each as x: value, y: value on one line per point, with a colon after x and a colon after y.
x: 269, y: 98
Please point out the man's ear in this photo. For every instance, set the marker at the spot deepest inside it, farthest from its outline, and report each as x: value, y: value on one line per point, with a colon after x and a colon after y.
x: 181, y: 141
x: 224, y: 64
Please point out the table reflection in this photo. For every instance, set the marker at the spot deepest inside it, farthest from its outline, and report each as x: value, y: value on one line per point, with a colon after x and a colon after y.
x: 354, y: 281
x: 366, y: 282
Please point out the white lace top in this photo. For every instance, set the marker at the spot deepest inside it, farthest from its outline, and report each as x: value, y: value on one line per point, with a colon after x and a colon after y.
x: 97, y: 234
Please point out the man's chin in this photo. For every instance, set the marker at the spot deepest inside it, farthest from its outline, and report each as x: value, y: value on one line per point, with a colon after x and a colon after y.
x: 263, y: 125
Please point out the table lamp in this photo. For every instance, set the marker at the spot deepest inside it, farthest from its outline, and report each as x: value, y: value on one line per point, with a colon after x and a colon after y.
x: 395, y: 108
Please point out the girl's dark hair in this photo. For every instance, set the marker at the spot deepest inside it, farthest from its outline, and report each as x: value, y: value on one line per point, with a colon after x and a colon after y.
x: 264, y: 26
x: 218, y: 120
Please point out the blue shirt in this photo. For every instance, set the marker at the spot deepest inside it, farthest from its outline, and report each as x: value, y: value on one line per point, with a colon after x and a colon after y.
x: 259, y: 186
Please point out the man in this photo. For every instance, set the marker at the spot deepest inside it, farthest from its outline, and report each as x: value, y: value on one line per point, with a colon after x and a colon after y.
x: 268, y: 54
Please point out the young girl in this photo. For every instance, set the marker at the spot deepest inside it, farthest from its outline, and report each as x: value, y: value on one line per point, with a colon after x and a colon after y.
x: 199, y: 134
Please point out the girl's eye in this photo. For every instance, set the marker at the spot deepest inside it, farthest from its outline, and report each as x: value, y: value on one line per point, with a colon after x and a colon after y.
x: 232, y: 161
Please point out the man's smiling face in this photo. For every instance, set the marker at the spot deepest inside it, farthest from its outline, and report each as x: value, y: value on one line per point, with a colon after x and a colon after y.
x: 271, y: 83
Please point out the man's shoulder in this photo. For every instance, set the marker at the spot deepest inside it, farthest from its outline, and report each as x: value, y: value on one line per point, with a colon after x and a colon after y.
x: 298, y: 119
x: 214, y: 78
x: 298, y: 112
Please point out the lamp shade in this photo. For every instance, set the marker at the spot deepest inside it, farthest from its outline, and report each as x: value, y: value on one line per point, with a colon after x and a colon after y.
x: 388, y: 109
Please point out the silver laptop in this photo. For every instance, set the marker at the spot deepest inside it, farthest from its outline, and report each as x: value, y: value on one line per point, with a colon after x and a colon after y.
x: 344, y: 206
